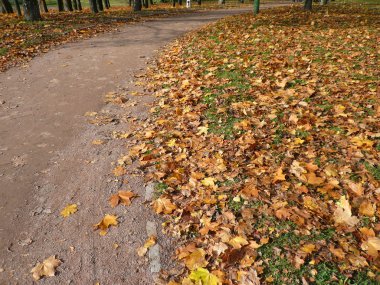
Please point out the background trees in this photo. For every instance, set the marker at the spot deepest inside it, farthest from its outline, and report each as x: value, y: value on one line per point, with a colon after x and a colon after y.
x: 30, y: 7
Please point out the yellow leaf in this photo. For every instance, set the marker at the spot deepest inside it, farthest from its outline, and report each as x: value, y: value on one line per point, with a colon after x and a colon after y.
x: 204, y: 277
x: 164, y: 205
x: 171, y: 143
x: 196, y: 259
x: 105, y: 223
x: 362, y: 142
x: 68, y: 210
x: 298, y: 141
x: 46, y: 268
x: 279, y: 176
x: 209, y: 181
x: 308, y: 248
x: 237, y: 242
x: 149, y: 243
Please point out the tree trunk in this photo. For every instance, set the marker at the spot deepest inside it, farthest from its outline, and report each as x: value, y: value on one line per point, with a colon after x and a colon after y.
x: 75, y: 4
x: 308, y: 5
x: 61, y: 8
x: 43, y: 6
x: 151, y: 2
x: 137, y: 6
x: 199, y: 2
x: 105, y: 4
x: 69, y: 5
x: 108, y: 4
x: 324, y: 2
x: 180, y: 2
x: 256, y: 7
x: 93, y: 6
x: 31, y: 10
x: 100, y: 5
x: 7, y: 6
x: 146, y: 4
x: 2, y: 8
x: 174, y: 3
x: 130, y: 3
x: 222, y: 2
x: 18, y: 8
x: 79, y: 5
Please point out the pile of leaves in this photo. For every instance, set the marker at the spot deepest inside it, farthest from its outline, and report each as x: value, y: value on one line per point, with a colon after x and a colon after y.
x: 264, y: 147
x: 20, y: 40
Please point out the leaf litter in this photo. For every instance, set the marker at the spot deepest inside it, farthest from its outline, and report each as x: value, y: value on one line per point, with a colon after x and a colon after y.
x: 264, y: 146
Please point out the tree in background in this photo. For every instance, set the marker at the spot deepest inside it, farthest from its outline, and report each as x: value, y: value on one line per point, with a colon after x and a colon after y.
x: 100, y: 5
x: 256, y: 7
x: 137, y: 5
x: 18, y: 8
x: 61, y: 8
x: 31, y: 10
x: 308, y: 5
x: 6, y: 5
x: 43, y: 6
x: 93, y: 6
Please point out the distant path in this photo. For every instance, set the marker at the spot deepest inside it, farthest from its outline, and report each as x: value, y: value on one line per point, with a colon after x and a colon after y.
x: 47, y: 159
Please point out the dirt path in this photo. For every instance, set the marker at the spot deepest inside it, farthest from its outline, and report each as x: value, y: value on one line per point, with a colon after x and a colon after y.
x: 47, y: 159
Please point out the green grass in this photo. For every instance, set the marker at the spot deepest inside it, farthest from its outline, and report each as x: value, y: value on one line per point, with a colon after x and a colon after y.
x: 3, y: 51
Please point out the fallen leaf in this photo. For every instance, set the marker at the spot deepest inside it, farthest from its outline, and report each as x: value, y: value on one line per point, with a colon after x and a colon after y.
x: 343, y: 215
x: 68, y: 210
x: 196, y: 259
x: 141, y: 251
x: 163, y: 205
x: 46, y: 268
x: 123, y: 197
x: 105, y: 223
x: 202, y: 276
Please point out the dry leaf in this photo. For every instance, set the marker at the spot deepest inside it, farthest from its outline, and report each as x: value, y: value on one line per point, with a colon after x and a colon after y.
x: 68, y: 210
x: 46, y: 268
x: 105, y: 223
x: 163, y: 205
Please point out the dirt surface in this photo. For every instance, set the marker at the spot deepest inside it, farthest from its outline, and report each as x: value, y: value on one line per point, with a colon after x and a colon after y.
x: 47, y: 159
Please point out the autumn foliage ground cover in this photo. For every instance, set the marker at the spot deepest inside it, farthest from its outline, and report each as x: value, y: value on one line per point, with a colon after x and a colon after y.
x: 264, y: 147
x: 20, y: 40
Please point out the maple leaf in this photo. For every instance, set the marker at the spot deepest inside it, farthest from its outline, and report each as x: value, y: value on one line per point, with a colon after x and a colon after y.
x: 164, y: 205
x: 372, y: 246
x: 119, y: 171
x: 203, y: 277
x: 69, y: 209
x: 279, y: 176
x: 46, y: 268
x: 343, y: 214
x: 196, y: 259
x: 367, y: 209
x: 249, y: 191
x: 308, y: 248
x: 237, y: 242
x: 313, y: 179
x: 105, y: 223
x: 209, y: 181
x: 124, y: 197
x: 362, y: 142
x: 141, y: 251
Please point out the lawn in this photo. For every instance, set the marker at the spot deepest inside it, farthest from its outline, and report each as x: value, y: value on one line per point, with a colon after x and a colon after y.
x: 265, y: 148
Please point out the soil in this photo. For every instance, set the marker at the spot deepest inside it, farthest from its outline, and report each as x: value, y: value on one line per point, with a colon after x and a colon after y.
x: 48, y: 160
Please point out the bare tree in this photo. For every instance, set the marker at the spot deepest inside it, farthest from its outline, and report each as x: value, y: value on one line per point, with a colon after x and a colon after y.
x: 31, y: 10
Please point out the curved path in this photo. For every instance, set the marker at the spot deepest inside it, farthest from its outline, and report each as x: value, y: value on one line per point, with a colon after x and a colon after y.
x: 47, y: 159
